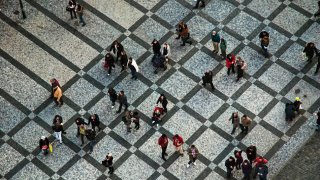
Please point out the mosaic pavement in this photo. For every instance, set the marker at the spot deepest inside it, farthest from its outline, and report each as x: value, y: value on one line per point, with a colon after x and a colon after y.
x: 48, y: 44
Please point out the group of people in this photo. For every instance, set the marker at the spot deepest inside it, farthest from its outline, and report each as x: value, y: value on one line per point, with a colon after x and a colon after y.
x: 75, y: 8
x: 243, y: 123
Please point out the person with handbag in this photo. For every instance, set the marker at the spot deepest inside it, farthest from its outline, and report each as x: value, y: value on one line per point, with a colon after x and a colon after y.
x: 79, y: 11
x: 44, y: 145
x: 108, y: 163
x: 72, y: 8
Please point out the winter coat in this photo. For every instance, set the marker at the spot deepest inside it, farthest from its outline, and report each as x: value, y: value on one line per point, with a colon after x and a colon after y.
x: 251, y: 152
x: 156, y: 47
x: 44, y: 142
x: 246, y: 168
x: 309, y: 50
x: 185, y: 32
x: 124, y: 59
x: 112, y: 93
x: 262, y: 171
x: 57, y: 93
x: 223, y: 45
x: 166, y: 50
x: 238, y: 157
x: 134, y: 64
x: 163, y: 101
x: 231, y: 61
x: 289, y: 110
x: 116, y: 48
x: 260, y: 161
x: 123, y: 99
x: 94, y: 122
x: 177, y: 141
x: 163, y: 142
x: 207, y: 78
x: 246, y: 121
x: 215, y: 38
x: 80, y: 121
x: 230, y: 164
x: 191, y: 156
x: 109, y: 60
x: 90, y: 134
x: 108, y: 162
x: 264, y: 38
x: 234, y: 120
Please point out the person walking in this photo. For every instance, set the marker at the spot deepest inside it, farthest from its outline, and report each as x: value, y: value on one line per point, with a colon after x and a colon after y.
x: 207, y: 78
x: 113, y: 96
x: 116, y: 48
x: 318, y: 65
x: 223, y: 48
x: 185, y: 35
x: 193, y: 153
x: 156, y: 47
x: 94, y: 121
x: 136, y: 120
x: 264, y: 39
x: 109, y: 62
x: 57, y: 132
x: 262, y: 172
x: 239, y: 159
x: 318, y: 12
x: 58, y: 119
x: 122, y: 101
x: 72, y: 8
x: 82, y: 131
x: 163, y: 142
x: 164, y: 102
x: 235, y: 120
x: 259, y: 161
x: 241, y: 66
x: 245, y: 123
x: 297, y: 104
x: 123, y: 60
x: 79, y: 11
x: 310, y: 50
x: 318, y: 120
x: 108, y: 162
x: 44, y: 145
x: 79, y: 121
x: 165, y: 51
x: 57, y: 96
x: 180, y: 29
x: 251, y: 152
x: 215, y: 37
x: 230, y: 61
x: 91, y: 136
x: 203, y: 4
x: 127, y: 120
x: 230, y: 163
x: 178, y: 143
x: 246, y: 170
x: 133, y: 66
x: 54, y: 83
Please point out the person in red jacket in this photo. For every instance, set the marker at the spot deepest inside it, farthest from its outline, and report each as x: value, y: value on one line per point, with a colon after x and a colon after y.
x: 259, y: 161
x: 239, y: 159
x: 178, y: 142
x: 230, y: 61
x: 163, y: 142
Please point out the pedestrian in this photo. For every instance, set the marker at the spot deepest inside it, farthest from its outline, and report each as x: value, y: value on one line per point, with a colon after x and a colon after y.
x: 245, y: 123
x: 185, y: 35
x: 164, y: 102
x: 223, y: 48
x: 193, y: 153
x: 207, y: 78
x: 310, y: 50
x: 72, y: 8
x: 163, y: 143
x: 133, y: 66
x: 122, y: 101
x: 251, y: 152
x: 79, y: 11
x: 230, y: 163
x: 318, y: 12
x: 230, y: 61
x: 82, y: 131
x: 57, y: 96
x: 116, y: 48
x: 178, y: 143
x: 318, y: 120
x: 95, y: 122
x: 58, y: 119
x: 91, y: 136
x: 44, y: 145
x: 259, y: 161
x: 156, y: 47
x: 264, y: 39
x: 241, y: 66
x: 318, y: 65
x: 113, y: 96
x: 109, y: 62
x: 290, y: 112
x: 246, y: 170
x: 235, y: 121
x: 239, y: 159
x: 54, y: 83
x: 127, y: 120
x: 165, y: 51
x: 136, y: 120
x: 179, y: 29
x: 215, y: 37
x: 297, y: 104
x: 108, y: 163
x: 123, y: 60
x: 262, y: 172
x: 156, y: 115
x: 202, y: 4
x: 79, y: 121
x: 57, y: 132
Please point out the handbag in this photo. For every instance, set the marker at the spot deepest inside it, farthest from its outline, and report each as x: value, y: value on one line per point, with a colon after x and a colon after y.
x: 68, y: 8
x: 50, y: 148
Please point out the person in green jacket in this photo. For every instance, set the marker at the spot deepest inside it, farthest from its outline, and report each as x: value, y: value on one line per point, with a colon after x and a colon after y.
x: 215, y: 37
x: 223, y: 48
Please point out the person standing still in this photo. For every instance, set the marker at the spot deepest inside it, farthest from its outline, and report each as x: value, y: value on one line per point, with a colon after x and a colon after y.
x: 156, y: 47
x: 207, y: 78
x: 133, y: 66
x: 82, y: 131
x: 113, y: 96
x: 122, y: 101
x: 109, y: 62
x: 72, y: 8
x: 215, y: 37
x: 163, y: 142
x: 185, y: 35
x: 91, y: 136
x: 57, y: 132
x: 241, y: 66
x: 264, y: 39
x: 239, y: 159
x: 246, y: 170
x: 116, y: 48
x: 245, y: 123
x: 178, y: 143
x: 123, y: 60
x: 79, y: 11
x: 251, y: 152
x: 223, y: 48
x: 235, y: 121
x: 164, y: 102
x: 230, y: 61
x: 79, y: 121
x: 230, y: 163
x: 94, y: 121
x: 193, y: 153
x: 108, y: 162
x: 310, y: 50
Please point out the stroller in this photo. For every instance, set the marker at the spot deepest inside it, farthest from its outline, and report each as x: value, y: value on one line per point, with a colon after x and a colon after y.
x: 159, y: 61
x: 156, y: 115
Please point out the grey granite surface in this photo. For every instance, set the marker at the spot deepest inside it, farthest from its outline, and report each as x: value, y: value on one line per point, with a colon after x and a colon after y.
x: 199, y: 27
x: 294, y: 56
x: 231, y: 41
x: 177, y: 51
x: 147, y: 106
x: 219, y: 9
x: 147, y: 3
x: 82, y: 170
x: 10, y: 157
x: 264, y: 7
x: 312, y: 34
x: 150, y: 30
x: 30, y: 171
x: 132, y: 48
x: 49, y: 113
x: 254, y: 60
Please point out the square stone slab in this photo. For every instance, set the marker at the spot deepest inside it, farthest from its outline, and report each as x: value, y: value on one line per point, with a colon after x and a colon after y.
x: 29, y: 136
x: 313, y: 76
x: 243, y: 24
x: 211, y: 144
x: 178, y: 51
x: 149, y: 4
x: 147, y: 106
x: 199, y: 28
x: 276, y: 77
x: 172, y: 12
x: 88, y: 171
x: 49, y: 113
x: 132, y: 48
x: 294, y: 56
x: 268, y: 6
x: 176, y: 124
x: 196, y: 63
x: 218, y: 9
x: 290, y: 20
x: 10, y: 116
x: 205, y: 103
x: 307, y: 5
x: 261, y: 138
x: 9, y: 158
x: 132, y: 169
x: 215, y: 176
x: 178, y: 85
x: 30, y: 171
x: 312, y: 34
x: 149, y: 30
x: 254, y: 59
x: 254, y: 99
x: 82, y: 92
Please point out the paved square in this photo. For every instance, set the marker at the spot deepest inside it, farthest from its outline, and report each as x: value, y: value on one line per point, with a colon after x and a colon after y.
x: 243, y: 24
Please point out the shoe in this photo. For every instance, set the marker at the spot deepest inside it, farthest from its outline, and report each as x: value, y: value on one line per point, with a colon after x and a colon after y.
x: 108, y: 74
x: 181, y: 155
x: 190, y: 42
x: 194, y: 163
x: 112, y: 107
x: 64, y: 133
x: 165, y: 154
x: 83, y: 24
x: 157, y: 125
x: 164, y: 159
x: 89, y: 152
x: 118, y: 112
x: 153, y: 122
x: 188, y: 165
x: 81, y: 145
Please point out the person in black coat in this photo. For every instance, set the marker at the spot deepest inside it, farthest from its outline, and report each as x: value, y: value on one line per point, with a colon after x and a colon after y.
x: 203, y: 4
x: 310, y: 49
x: 57, y: 132
x: 58, y: 119
x: 44, y: 145
x: 289, y: 110
x: 230, y: 163
x: 251, y: 152
x: 116, y: 48
x: 123, y: 60
x: 94, y: 121
x: 239, y: 159
x: 72, y: 8
x: 164, y: 102
x: 91, y: 136
x: 123, y: 101
x: 264, y: 39
x: 113, y: 96
x: 207, y: 78
x: 109, y: 62
x: 108, y: 162
x: 246, y: 169
x: 79, y: 121
x: 156, y: 47
x: 136, y: 120
x: 318, y: 65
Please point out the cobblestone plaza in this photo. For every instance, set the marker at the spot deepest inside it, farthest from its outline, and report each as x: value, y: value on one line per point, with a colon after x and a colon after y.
x: 48, y: 44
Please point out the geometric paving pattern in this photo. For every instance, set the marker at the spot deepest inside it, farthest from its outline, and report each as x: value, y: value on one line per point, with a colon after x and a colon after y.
x: 49, y: 44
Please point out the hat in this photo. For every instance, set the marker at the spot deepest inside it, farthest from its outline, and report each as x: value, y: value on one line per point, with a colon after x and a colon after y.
x: 43, y: 137
x: 109, y: 154
x: 214, y: 32
x: 297, y: 99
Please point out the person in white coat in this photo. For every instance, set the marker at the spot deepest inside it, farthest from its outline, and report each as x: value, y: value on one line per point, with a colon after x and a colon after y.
x: 133, y: 66
x: 165, y: 51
